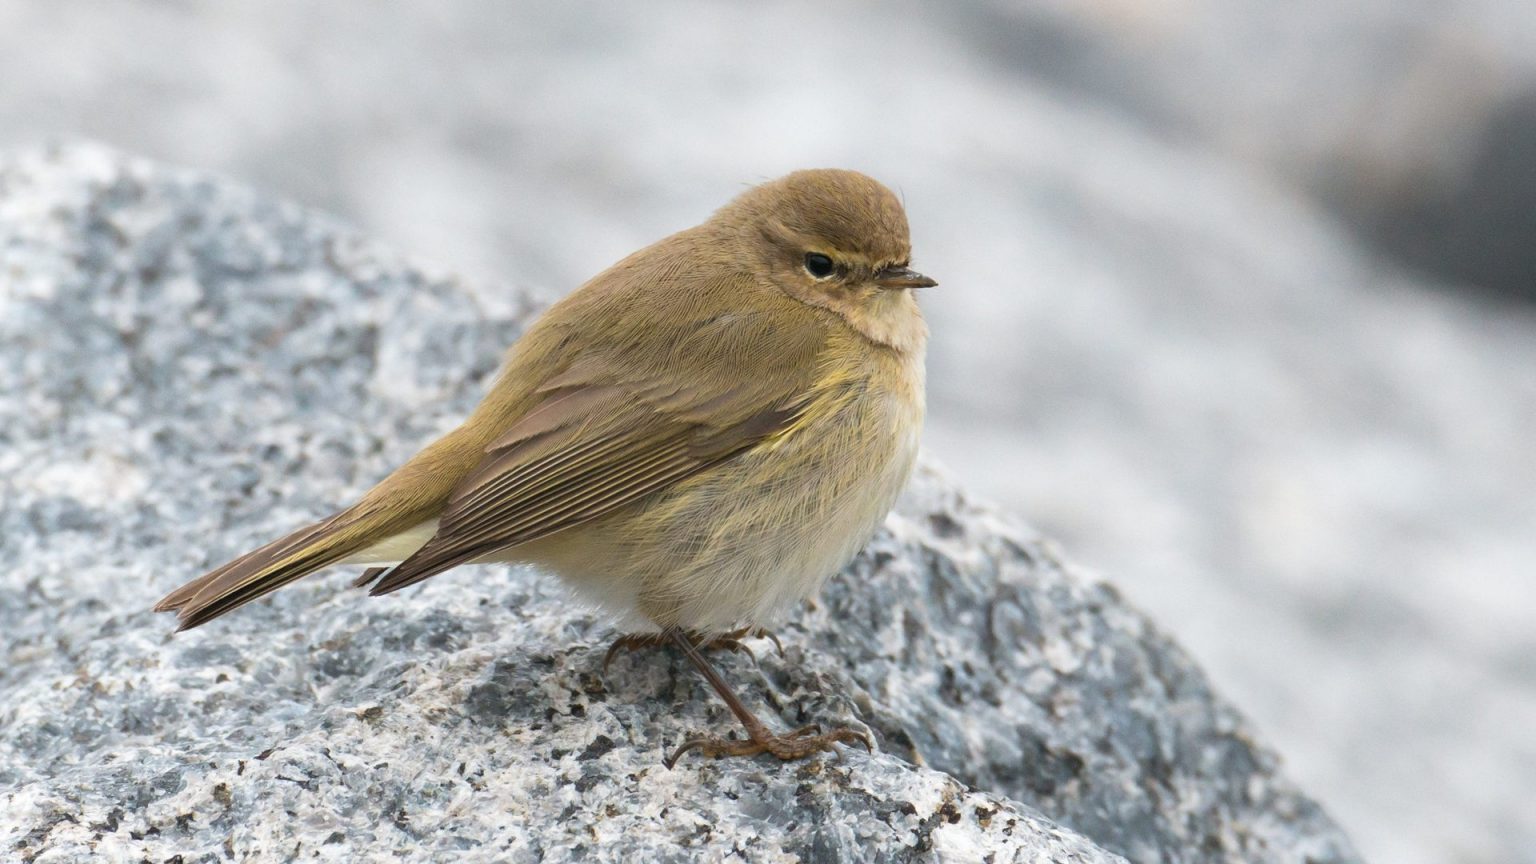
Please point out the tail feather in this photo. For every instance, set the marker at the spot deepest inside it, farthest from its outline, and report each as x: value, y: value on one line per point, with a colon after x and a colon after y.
x: 407, y: 501
x: 264, y: 570
x: 176, y: 600
x: 367, y: 576
x: 427, y: 561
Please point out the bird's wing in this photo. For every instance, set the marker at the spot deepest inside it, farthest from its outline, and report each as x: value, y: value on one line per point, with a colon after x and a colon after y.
x: 602, y: 436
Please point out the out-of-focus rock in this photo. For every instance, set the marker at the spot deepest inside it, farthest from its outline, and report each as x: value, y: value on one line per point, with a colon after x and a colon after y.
x: 189, y: 368
x: 1412, y: 121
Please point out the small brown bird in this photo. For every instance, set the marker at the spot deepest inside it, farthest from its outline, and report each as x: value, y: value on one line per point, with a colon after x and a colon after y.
x: 693, y: 440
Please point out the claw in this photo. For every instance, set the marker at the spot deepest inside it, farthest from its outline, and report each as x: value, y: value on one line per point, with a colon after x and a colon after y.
x: 729, y: 642
x: 772, y: 637
x: 803, y: 742
x: 732, y: 645
x: 690, y: 744
x: 757, y: 633
x: 608, y: 657
x: 632, y: 642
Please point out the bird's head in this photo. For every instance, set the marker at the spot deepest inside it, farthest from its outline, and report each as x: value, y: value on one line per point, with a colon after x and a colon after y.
x: 837, y: 240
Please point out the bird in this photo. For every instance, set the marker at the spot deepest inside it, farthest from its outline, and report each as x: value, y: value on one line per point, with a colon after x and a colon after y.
x: 693, y: 440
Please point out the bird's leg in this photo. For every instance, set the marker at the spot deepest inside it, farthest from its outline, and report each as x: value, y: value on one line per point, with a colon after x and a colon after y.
x: 726, y: 641
x: 798, y: 744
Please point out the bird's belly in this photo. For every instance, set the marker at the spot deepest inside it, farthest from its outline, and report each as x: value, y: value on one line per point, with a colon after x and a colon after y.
x: 742, y: 541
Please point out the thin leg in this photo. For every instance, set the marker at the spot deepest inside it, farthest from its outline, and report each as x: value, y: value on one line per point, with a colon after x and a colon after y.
x: 798, y: 744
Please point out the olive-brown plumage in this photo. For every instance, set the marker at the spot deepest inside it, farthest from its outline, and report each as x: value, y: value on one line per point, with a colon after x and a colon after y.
x: 694, y: 439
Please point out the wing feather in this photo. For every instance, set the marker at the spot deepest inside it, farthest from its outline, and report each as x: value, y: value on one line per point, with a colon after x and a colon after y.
x: 616, y: 450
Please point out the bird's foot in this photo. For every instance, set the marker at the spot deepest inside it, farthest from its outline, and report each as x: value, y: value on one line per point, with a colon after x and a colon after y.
x: 803, y: 742
x: 724, y: 642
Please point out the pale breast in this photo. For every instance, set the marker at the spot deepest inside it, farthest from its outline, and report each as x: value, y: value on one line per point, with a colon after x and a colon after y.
x: 839, y: 518
x: 745, y: 540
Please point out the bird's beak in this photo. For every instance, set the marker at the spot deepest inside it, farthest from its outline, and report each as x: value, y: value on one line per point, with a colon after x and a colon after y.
x: 893, y: 278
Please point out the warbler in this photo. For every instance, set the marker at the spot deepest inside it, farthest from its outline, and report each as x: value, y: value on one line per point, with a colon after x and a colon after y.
x: 693, y: 440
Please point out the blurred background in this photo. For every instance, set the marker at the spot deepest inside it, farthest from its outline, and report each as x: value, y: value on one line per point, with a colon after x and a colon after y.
x: 1236, y: 302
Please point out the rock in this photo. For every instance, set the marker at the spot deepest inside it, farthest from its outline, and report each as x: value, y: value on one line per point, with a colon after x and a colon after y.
x: 188, y: 368
x: 1421, y: 137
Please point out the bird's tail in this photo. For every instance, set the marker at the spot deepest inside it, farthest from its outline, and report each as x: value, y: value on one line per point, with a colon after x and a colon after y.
x: 399, y: 509
x: 269, y: 568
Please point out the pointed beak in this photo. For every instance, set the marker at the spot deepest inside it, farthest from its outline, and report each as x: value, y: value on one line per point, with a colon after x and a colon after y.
x: 895, y: 278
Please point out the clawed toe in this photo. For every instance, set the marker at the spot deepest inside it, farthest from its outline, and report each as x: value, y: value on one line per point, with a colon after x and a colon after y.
x: 691, y: 744
x: 727, y: 642
x: 802, y: 742
x: 771, y: 637
x: 854, y: 736
x: 756, y: 633
x: 796, y: 744
x: 628, y: 644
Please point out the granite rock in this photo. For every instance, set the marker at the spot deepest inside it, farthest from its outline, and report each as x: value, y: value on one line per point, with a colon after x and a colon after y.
x: 188, y: 367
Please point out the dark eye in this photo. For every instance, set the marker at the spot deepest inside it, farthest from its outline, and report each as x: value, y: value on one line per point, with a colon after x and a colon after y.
x: 819, y: 265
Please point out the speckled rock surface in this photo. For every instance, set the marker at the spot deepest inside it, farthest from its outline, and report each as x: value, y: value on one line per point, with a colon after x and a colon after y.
x: 188, y: 368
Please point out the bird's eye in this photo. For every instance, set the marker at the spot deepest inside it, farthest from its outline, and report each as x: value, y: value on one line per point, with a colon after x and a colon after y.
x: 819, y: 265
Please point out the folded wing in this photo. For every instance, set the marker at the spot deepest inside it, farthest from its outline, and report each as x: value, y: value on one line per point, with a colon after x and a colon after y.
x: 595, y: 444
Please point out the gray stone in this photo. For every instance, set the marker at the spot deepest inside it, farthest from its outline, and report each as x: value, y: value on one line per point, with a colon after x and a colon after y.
x: 188, y: 368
